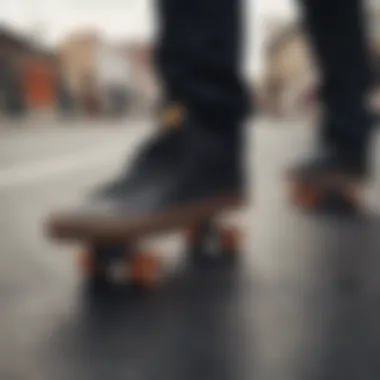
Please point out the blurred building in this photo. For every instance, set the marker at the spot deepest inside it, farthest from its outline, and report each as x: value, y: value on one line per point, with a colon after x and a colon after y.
x: 39, y: 79
x: 114, y: 78
x: 13, y: 48
x: 290, y: 78
x: 375, y: 33
x: 78, y: 55
x: 144, y: 83
x: 98, y: 73
x: 27, y: 75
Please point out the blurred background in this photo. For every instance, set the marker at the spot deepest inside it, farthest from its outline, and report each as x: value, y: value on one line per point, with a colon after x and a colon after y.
x: 79, y: 59
x: 77, y: 94
x: 84, y: 59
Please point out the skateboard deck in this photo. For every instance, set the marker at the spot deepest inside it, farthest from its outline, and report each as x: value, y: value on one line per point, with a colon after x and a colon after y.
x: 333, y: 192
x: 114, y: 238
x: 318, y: 197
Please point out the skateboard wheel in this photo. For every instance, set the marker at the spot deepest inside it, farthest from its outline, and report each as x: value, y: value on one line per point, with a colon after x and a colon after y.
x: 144, y: 268
x: 229, y: 238
x: 305, y: 196
x: 86, y: 263
x: 191, y: 235
x: 212, y: 241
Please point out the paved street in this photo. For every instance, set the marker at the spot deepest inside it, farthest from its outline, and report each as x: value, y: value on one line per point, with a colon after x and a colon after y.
x: 303, y: 304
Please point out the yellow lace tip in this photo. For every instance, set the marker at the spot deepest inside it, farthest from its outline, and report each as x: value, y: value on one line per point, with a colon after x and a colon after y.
x: 172, y: 116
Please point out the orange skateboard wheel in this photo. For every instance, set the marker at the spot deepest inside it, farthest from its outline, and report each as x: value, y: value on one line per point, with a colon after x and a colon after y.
x: 86, y: 262
x: 306, y: 196
x: 230, y: 238
x: 145, y: 269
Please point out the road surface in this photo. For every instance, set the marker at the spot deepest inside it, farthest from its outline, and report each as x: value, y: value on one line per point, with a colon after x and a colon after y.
x: 302, y: 304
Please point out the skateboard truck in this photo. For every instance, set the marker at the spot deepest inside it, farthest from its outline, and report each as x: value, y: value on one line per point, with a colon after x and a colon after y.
x: 211, y: 241
x: 113, y: 251
x: 126, y: 263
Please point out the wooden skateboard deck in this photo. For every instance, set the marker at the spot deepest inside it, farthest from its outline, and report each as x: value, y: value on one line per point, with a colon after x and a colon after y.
x: 332, y: 194
x: 115, y: 237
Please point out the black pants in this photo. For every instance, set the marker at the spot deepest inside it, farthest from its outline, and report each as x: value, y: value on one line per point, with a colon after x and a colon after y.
x: 199, y: 55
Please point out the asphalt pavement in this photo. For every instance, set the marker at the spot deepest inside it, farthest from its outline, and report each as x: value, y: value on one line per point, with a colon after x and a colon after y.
x: 301, y: 303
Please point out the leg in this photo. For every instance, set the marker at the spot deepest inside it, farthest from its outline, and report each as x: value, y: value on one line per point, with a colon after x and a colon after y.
x: 337, y: 33
x: 199, y: 63
x: 192, y: 172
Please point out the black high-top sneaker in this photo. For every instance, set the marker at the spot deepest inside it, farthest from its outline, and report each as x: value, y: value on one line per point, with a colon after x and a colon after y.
x: 327, y: 182
x: 184, y: 162
x: 155, y: 159
x: 180, y: 180
x: 185, y: 174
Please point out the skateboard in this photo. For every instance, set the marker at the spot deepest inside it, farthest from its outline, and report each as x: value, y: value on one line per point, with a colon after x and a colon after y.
x: 332, y: 193
x: 113, y: 242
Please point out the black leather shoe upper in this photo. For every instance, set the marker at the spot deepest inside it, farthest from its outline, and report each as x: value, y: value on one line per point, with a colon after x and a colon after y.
x: 177, y: 166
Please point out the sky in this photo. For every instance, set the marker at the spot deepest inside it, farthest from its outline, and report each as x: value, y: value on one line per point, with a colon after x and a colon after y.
x: 51, y: 19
